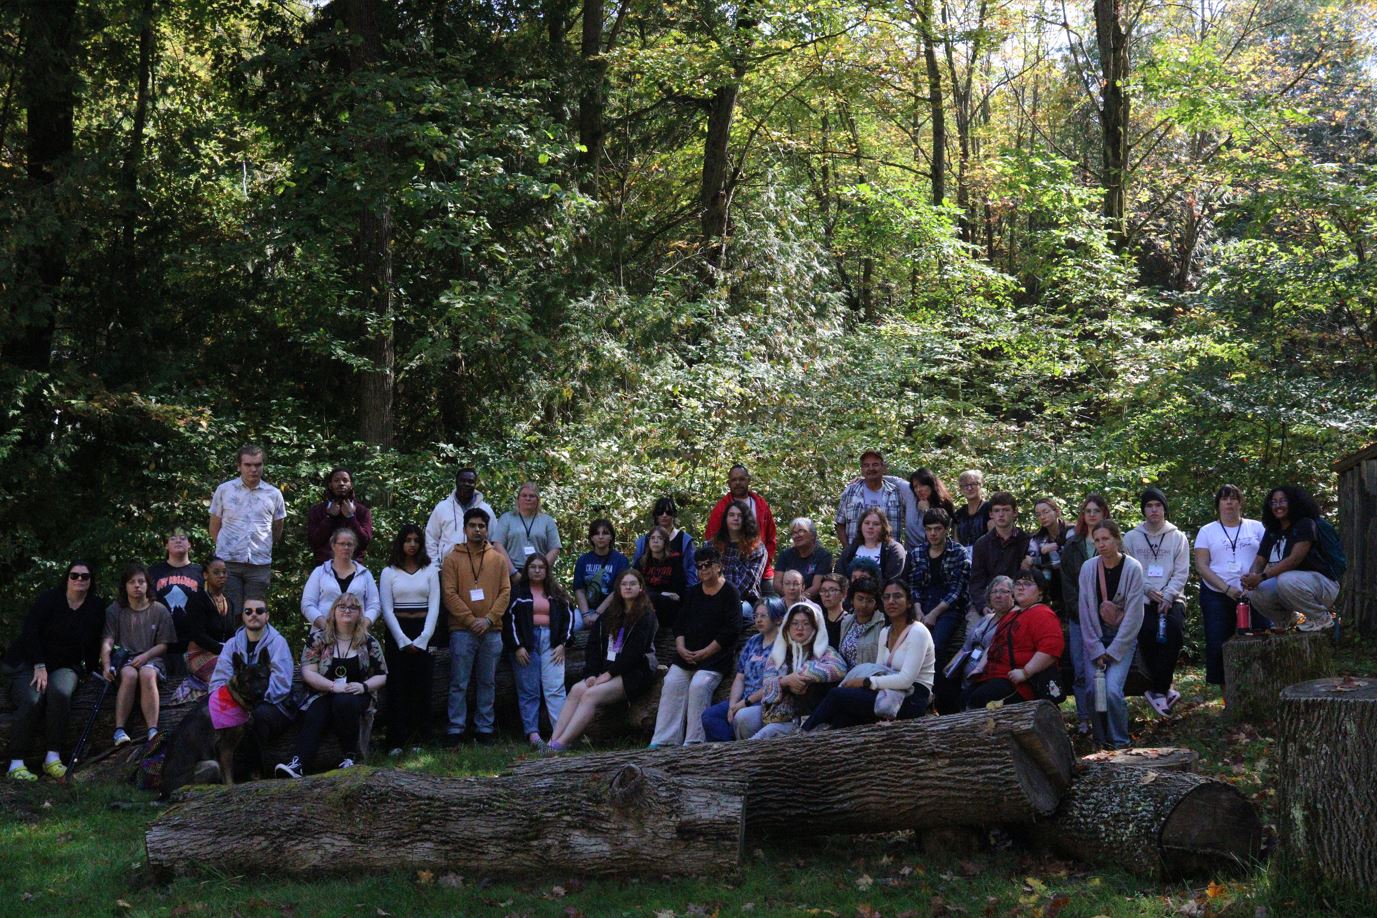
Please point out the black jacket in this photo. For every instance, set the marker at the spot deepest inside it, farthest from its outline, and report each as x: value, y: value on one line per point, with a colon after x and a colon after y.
x: 633, y: 661
x: 518, y: 624
x: 205, y: 627
x: 59, y: 636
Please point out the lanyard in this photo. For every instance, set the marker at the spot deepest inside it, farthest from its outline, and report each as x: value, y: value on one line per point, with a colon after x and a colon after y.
x: 1233, y: 543
x: 1155, y: 549
x: 526, y: 527
x: 475, y: 568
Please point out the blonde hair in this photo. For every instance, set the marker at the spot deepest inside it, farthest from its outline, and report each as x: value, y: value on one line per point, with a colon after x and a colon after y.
x: 360, y: 627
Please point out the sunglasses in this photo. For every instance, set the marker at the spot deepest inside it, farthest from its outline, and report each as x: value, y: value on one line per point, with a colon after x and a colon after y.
x: 255, y: 611
x: 702, y: 564
x: 78, y: 575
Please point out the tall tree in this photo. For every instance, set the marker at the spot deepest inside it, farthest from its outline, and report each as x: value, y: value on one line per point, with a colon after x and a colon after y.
x: 1112, y: 38
x: 936, y: 110
x: 718, y: 178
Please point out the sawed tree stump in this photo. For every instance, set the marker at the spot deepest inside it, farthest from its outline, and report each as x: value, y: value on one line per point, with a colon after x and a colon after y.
x: 1327, y: 771
x: 1164, y: 824
x: 979, y: 768
x: 1258, y: 666
x: 631, y: 822
x: 1161, y: 758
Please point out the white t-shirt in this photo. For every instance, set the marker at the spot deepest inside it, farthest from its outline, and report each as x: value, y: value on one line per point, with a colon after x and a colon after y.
x: 872, y: 553
x: 1232, y: 550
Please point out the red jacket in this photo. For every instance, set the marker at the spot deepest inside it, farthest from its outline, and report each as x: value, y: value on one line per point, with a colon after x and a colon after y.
x: 1034, y: 629
x: 764, y: 519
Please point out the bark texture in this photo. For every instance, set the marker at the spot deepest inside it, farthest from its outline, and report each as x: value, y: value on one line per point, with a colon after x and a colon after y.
x: 1158, y: 823
x: 1161, y: 758
x: 1258, y: 667
x: 979, y: 768
x: 628, y: 823
x: 1327, y: 792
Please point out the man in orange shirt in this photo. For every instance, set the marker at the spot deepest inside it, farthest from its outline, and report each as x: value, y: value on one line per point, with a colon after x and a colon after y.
x: 476, y: 590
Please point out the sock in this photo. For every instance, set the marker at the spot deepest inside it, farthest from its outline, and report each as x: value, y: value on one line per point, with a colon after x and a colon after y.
x: 51, y: 757
x: 16, y: 764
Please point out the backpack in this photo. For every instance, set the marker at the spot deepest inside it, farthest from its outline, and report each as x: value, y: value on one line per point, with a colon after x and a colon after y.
x: 150, y: 774
x: 1332, y: 547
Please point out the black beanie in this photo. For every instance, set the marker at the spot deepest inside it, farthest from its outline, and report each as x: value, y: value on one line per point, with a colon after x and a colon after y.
x: 1157, y: 495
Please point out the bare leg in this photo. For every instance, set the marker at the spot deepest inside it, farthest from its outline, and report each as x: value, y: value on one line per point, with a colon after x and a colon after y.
x: 148, y: 696
x: 571, y: 704
x: 124, y: 696
x: 593, y: 698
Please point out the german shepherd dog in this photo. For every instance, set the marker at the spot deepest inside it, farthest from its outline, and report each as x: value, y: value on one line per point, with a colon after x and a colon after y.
x: 196, y: 739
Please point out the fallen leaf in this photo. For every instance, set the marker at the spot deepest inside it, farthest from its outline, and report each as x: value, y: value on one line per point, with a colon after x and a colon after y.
x: 864, y: 882
x: 665, y: 913
x: 865, y: 911
x: 571, y: 912
x: 968, y: 868
x: 382, y: 914
x: 1215, y: 890
x: 1033, y: 884
x: 1148, y: 777
x: 556, y: 892
x: 121, y: 903
x: 1055, y: 906
x: 26, y: 897
x: 748, y: 906
x: 425, y: 877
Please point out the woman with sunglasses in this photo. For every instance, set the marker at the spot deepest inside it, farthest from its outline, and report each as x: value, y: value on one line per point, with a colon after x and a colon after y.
x: 59, y: 640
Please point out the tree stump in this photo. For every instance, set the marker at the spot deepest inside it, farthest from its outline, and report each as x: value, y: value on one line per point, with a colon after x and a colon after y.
x: 1162, y: 758
x: 1327, y: 772
x: 979, y: 768
x: 1258, y: 666
x: 634, y: 822
x: 1164, y: 824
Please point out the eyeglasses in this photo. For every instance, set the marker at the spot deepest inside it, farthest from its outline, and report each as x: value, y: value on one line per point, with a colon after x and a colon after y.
x: 350, y: 608
x: 79, y: 575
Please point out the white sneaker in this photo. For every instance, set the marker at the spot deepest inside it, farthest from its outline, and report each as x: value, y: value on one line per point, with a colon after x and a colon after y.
x: 152, y: 734
x: 1158, y: 703
x: 346, y: 763
x: 292, y: 769
x: 121, y: 737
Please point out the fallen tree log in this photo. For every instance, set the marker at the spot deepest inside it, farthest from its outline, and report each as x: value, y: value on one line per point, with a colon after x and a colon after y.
x: 1258, y: 666
x: 1327, y: 792
x: 979, y: 768
x: 1162, y: 758
x: 632, y: 822
x: 1164, y: 824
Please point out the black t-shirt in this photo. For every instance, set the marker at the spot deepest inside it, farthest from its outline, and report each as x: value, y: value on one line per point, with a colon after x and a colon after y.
x: 1112, y: 576
x: 704, y: 619
x: 174, y: 587
x: 1277, y: 545
x: 819, y: 562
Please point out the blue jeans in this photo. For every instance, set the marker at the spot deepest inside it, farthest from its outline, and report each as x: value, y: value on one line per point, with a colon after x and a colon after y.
x: 1084, y: 686
x: 1220, y: 620
x: 466, y: 648
x: 1116, y: 674
x: 542, y: 676
x: 718, y: 729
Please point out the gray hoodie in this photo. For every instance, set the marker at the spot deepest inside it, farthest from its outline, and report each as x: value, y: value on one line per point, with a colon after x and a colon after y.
x: 275, y: 646
x: 1165, y: 557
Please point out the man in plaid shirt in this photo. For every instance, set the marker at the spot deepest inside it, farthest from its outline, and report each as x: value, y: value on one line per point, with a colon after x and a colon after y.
x: 873, y: 489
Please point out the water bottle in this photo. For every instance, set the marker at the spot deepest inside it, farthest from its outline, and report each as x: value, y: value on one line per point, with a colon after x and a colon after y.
x: 1161, y: 627
x: 1101, y: 693
x: 1243, y: 617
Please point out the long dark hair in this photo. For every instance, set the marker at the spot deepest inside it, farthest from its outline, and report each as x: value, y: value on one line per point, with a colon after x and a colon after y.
x: 1299, y: 505
x: 910, y: 613
x: 1098, y: 500
x: 619, y: 615
x: 398, y: 556
x: 941, y: 497
x: 552, y: 586
x: 750, y: 531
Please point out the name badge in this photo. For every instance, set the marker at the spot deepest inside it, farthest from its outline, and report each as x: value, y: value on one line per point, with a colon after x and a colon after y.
x: 476, y: 595
x: 528, y: 550
x: 1233, y: 567
x: 1156, y: 570
x: 611, y: 655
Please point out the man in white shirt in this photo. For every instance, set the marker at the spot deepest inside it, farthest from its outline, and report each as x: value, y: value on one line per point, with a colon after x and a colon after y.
x: 446, y: 526
x: 246, y: 516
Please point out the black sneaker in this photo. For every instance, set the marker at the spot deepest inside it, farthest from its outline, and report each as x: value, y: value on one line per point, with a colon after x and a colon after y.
x: 487, y: 739
x: 292, y: 769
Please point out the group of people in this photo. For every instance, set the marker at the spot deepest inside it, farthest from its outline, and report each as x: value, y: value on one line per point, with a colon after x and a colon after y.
x: 927, y: 606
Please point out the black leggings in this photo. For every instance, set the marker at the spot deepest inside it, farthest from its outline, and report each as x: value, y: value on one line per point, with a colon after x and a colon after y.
x: 1161, y: 658
x: 979, y: 694
x: 343, y: 712
x: 408, y: 687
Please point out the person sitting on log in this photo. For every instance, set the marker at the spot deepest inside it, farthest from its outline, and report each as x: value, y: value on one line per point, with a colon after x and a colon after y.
x: 679, y: 544
x: 143, y: 628
x: 274, y: 714
x: 1027, y: 640
x: 1111, y: 614
x: 970, y: 661
x: 739, y: 716
x: 536, y: 630
x: 704, y: 637
x: 1292, y: 571
x: 211, y: 618
x: 874, y: 541
x: 791, y: 588
x: 343, y: 667
x: 59, y: 641
x: 742, y: 556
x: 937, y: 575
x: 904, y: 666
x: 802, y: 669
x: 832, y: 598
x: 805, y: 555
x: 616, y: 666
x: 860, y: 629
x: 663, y: 569
x: 594, y: 572
x: 1165, y: 554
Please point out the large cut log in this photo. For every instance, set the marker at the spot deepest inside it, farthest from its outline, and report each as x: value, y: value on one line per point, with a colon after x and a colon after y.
x: 1327, y: 787
x: 1164, y: 824
x: 631, y: 822
x: 980, y: 768
x: 1258, y: 666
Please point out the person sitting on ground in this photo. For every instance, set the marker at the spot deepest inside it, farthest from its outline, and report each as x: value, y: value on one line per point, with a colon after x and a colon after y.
x: 1027, y: 640
x: 617, y: 664
x: 802, y: 669
x: 1165, y: 555
x: 1002, y: 550
x: 874, y: 540
x: 1224, y: 550
x: 905, y: 665
x: 806, y: 556
x: 663, y: 570
x: 739, y: 716
x: 271, y: 717
x: 742, y: 555
x: 972, y: 519
x: 1080, y: 548
x: 595, y: 570
x: 938, y: 573
x: 757, y: 508
x: 1045, y: 549
x: 340, y: 509
x: 832, y: 598
x: 536, y: 630
x: 211, y: 618
x: 142, y: 628
x: 58, y: 642
x: 705, y: 636
x: 1111, y: 615
x: 1292, y: 573
x: 860, y: 630
x: 409, y: 593
x: 665, y: 514
x: 341, y: 574
x: 343, y: 667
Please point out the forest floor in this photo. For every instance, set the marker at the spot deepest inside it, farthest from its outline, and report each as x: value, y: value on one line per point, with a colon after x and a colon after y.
x: 79, y: 850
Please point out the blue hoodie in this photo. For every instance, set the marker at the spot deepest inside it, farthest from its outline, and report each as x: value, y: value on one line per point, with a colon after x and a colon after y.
x: 275, y: 646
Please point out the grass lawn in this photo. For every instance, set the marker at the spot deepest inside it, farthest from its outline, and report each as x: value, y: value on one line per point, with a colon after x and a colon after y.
x: 79, y: 850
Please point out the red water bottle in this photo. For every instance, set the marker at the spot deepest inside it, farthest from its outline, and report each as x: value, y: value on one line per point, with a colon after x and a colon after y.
x: 1243, y: 616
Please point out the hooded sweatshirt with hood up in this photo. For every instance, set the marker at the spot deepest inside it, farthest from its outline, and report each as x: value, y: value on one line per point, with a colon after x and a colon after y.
x: 818, y: 662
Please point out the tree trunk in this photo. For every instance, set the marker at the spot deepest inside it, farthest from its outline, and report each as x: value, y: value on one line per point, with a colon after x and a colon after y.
x: 556, y: 16
x: 1164, y: 824
x: 591, y: 97
x: 935, y: 108
x: 1258, y: 666
x: 1111, y: 36
x: 718, y: 177
x: 373, y: 242
x: 635, y: 822
x: 979, y: 768
x: 1327, y: 793
x: 126, y: 264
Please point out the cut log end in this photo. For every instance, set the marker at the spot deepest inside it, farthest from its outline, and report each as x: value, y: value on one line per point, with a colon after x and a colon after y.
x: 1258, y: 667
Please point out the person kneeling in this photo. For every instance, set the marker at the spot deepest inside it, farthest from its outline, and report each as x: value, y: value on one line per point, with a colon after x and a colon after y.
x: 802, y: 669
